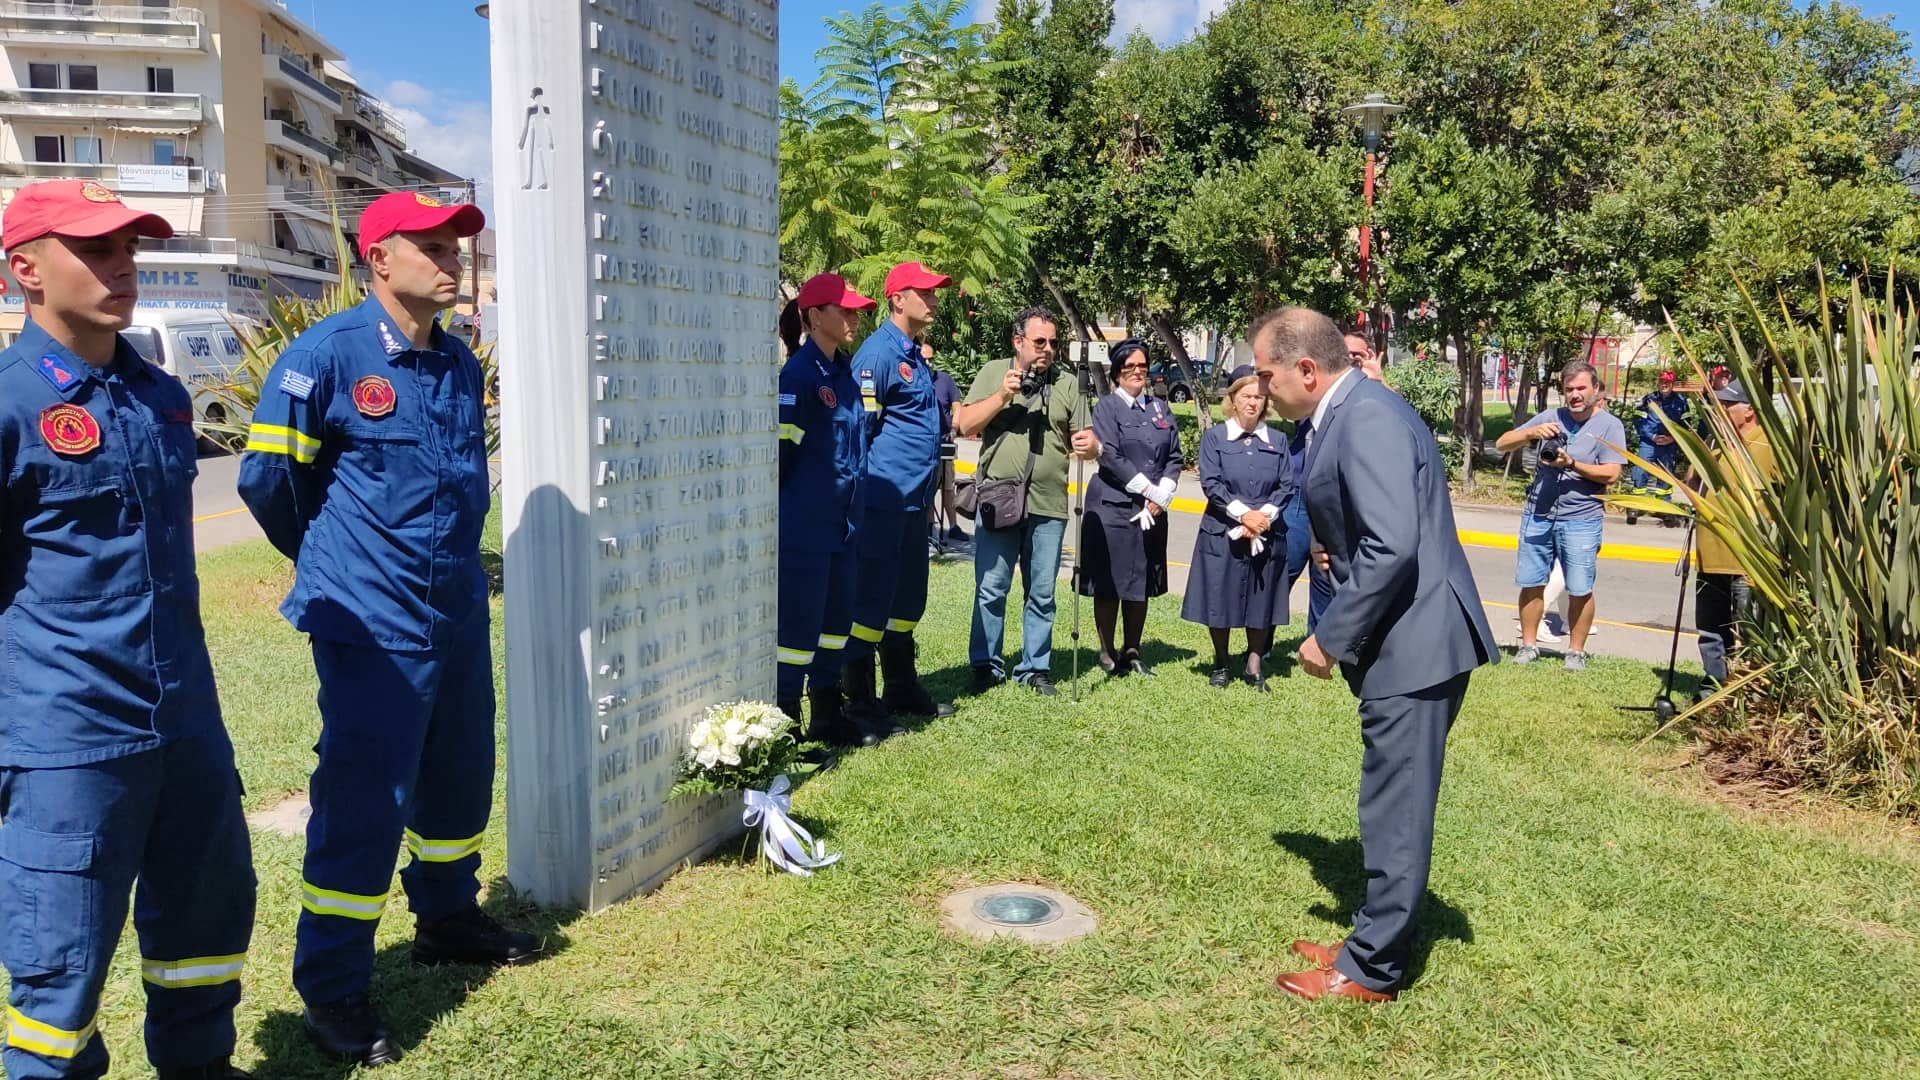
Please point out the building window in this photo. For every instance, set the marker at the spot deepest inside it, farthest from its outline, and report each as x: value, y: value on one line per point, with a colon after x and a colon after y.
x: 83, y: 77
x: 159, y: 80
x: 157, y: 5
x: 86, y: 149
x: 163, y: 151
x: 43, y: 76
x: 49, y: 148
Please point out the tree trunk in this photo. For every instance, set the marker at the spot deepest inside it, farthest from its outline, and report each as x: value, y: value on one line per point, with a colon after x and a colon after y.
x: 1178, y: 350
x: 1466, y: 417
x: 1082, y: 329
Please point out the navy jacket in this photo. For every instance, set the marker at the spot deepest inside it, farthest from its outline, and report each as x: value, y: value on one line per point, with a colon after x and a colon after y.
x: 903, y: 417
x: 1141, y: 439
x: 101, y: 649
x: 1405, y: 614
x: 1247, y: 470
x: 367, y: 465
x: 823, y: 451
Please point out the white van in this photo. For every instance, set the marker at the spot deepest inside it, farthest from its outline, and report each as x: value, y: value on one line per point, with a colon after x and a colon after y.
x: 199, y: 348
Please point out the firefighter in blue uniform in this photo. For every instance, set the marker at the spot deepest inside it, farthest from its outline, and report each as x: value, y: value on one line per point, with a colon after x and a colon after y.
x: 823, y: 450
x: 115, y: 767
x: 367, y: 465
x: 1655, y: 444
x: 890, y: 587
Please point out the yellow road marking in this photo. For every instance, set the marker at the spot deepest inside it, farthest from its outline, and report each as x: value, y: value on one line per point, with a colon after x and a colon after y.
x: 1605, y: 622
x: 221, y: 514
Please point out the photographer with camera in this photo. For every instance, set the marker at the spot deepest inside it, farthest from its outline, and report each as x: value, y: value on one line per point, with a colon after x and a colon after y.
x: 1030, y: 416
x: 1579, y: 457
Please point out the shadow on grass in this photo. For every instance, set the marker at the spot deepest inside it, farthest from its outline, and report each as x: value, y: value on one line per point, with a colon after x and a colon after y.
x: 1337, y: 865
x: 495, y: 565
x: 409, y: 996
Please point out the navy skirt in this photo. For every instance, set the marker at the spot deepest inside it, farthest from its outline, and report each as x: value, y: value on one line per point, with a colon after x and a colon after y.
x: 1117, y: 559
x: 1230, y: 588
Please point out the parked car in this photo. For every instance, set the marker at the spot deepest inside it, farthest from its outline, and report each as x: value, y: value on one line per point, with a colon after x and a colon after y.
x: 199, y: 348
x: 1169, y: 383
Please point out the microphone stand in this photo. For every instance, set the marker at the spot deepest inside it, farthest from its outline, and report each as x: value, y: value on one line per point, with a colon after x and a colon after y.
x: 1663, y: 707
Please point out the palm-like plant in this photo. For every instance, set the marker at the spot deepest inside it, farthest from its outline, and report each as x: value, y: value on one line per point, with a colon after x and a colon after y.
x: 1830, y: 543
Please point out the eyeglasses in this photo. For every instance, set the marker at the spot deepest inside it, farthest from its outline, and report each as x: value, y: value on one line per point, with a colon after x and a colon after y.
x: 1040, y: 342
x: 1132, y: 367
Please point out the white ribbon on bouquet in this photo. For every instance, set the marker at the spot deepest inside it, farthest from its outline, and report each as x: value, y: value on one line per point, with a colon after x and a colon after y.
x: 782, y: 841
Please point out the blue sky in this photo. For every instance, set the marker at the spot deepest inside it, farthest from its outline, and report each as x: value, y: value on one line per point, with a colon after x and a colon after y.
x: 429, y: 57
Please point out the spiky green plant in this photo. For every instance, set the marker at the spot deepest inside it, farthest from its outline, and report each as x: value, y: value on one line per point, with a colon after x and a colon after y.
x: 1830, y: 543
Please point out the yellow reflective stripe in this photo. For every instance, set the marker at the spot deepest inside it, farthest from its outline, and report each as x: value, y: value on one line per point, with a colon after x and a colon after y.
x: 792, y: 433
x: 296, y: 444
x: 442, y: 850
x: 833, y: 641
x: 799, y: 657
x: 867, y: 633
x: 902, y: 626
x: 294, y: 436
x: 26, y: 1033
x: 347, y: 905
x: 197, y: 971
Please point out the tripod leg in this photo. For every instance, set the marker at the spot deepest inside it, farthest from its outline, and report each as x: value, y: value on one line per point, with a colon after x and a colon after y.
x: 1686, y: 573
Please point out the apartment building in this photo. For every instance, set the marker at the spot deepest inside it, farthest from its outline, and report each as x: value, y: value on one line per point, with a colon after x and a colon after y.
x: 232, y: 118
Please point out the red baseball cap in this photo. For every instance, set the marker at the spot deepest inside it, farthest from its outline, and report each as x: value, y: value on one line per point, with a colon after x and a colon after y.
x: 415, y: 211
x: 912, y: 275
x: 823, y: 289
x: 1667, y: 377
x: 76, y: 208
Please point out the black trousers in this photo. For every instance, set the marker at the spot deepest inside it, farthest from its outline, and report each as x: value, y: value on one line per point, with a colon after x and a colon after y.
x: 1406, y: 747
x: 1720, y: 601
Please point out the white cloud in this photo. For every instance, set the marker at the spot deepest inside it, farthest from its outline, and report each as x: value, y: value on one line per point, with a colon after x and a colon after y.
x: 1165, y: 21
x: 451, y: 132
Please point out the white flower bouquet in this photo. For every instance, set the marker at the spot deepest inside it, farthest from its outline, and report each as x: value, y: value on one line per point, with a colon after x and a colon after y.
x: 748, y: 746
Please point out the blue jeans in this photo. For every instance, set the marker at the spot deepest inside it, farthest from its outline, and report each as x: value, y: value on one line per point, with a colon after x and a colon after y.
x: 1574, y: 544
x: 1300, y: 558
x: 1034, y: 545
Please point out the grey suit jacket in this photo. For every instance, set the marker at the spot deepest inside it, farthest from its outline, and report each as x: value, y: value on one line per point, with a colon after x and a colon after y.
x: 1405, y: 614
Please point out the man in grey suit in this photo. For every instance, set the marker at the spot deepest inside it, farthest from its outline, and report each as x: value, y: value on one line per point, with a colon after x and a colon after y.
x: 1405, y: 626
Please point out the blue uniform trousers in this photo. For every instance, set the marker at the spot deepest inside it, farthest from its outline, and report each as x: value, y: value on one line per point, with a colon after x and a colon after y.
x: 890, y: 587
x: 816, y: 610
x: 1300, y: 558
x: 164, y: 825
x: 1405, y: 740
x: 406, y: 750
x: 1667, y: 457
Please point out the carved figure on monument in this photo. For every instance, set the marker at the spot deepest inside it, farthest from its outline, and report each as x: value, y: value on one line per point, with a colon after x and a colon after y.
x: 823, y: 452
x: 536, y: 145
x: 367, y: 466
x: 903, y: 415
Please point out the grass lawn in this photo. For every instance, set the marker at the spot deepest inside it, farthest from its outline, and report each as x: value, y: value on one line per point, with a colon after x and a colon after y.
x: 1592, y: 911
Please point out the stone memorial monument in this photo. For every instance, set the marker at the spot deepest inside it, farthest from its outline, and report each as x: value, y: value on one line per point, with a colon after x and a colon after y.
x: 636, y: 151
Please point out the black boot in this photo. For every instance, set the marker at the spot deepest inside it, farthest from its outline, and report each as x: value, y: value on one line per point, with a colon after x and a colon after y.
x: 212, y: 1070
x: 471, y: 937
x: 350, y: 1030
x: 863, y: 710
x: 830, y: 724
x: 905, y: 694
x: 791, y: 706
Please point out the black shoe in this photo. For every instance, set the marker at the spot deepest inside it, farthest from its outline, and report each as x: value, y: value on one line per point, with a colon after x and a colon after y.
x: 1257, y: 680
x: 791, y: 706
x: 984, y: 679
x: 212, y: 1070
x: 471, y: 937
x: 958, y: 535
x: 905, y: 694
x: 830, y: 724
x: 863, y: 710
x: 1633, y: 517
x: 350, y: 1030
x: 1220, y: 678
x: 1112, y: 668
x: 1042, y: 685
x: 1137, y: 665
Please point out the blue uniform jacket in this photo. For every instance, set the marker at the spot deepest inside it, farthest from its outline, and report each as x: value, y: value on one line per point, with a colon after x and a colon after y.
x: 367, y: 465
x: 896, y: 386
x: 101, y: 648
x: 823, y: 450
x: 1137, y: 439
x: 1250, y: 470
x: 1674, y: 405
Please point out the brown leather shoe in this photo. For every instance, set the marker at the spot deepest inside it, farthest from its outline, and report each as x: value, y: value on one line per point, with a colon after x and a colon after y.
x: 1328, y: 982
x: 1317, y: 954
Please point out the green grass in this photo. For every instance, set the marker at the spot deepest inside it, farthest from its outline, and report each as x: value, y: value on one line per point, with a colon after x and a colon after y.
x: 1592, y: 912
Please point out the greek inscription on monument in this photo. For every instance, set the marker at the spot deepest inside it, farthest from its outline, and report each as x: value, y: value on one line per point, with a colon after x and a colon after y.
x: 636, y: 152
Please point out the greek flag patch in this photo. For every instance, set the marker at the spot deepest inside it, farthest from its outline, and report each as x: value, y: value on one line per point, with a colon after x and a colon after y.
x: 789, y: 399
x: 296, y: 385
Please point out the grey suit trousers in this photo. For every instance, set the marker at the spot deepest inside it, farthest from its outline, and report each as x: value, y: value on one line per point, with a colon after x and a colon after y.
x: 1406, y: 746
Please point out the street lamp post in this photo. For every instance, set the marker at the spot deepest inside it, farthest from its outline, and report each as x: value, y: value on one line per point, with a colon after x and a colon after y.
x: 1373, y: 113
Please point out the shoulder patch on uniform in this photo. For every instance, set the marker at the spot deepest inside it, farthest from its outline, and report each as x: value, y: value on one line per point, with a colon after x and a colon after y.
x: 70, y: 430
x: 373, y: 396
x: 55, y: 371
x: 296, y: 385
x: 906, y: 371
x: 828, y: 398
x: 789, y: 399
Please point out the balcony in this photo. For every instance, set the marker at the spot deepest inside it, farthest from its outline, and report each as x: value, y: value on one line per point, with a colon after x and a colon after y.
x: 318, y: 206
x: 283, y: 134
x: 100, y: 26
x: 374, y: 115
x: 292, y: 73
x: 182, y: 110
x: 129, y: 179
x: 371, y: 170
x: 238, y: 250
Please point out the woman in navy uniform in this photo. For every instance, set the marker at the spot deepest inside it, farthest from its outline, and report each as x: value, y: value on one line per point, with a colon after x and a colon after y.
x: 1123, y: 537
x: 1238, y: 579
x: 823, y: 451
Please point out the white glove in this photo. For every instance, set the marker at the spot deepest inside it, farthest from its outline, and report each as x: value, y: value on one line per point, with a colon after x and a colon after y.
x: 1162, y: 493
x: 1254, y: 546
x: 1145, y: 518
x: 1139, y: 484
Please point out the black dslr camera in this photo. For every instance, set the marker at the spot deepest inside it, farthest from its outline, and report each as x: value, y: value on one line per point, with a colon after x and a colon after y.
x: 1553, y: 450
x: 1030, y: 382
